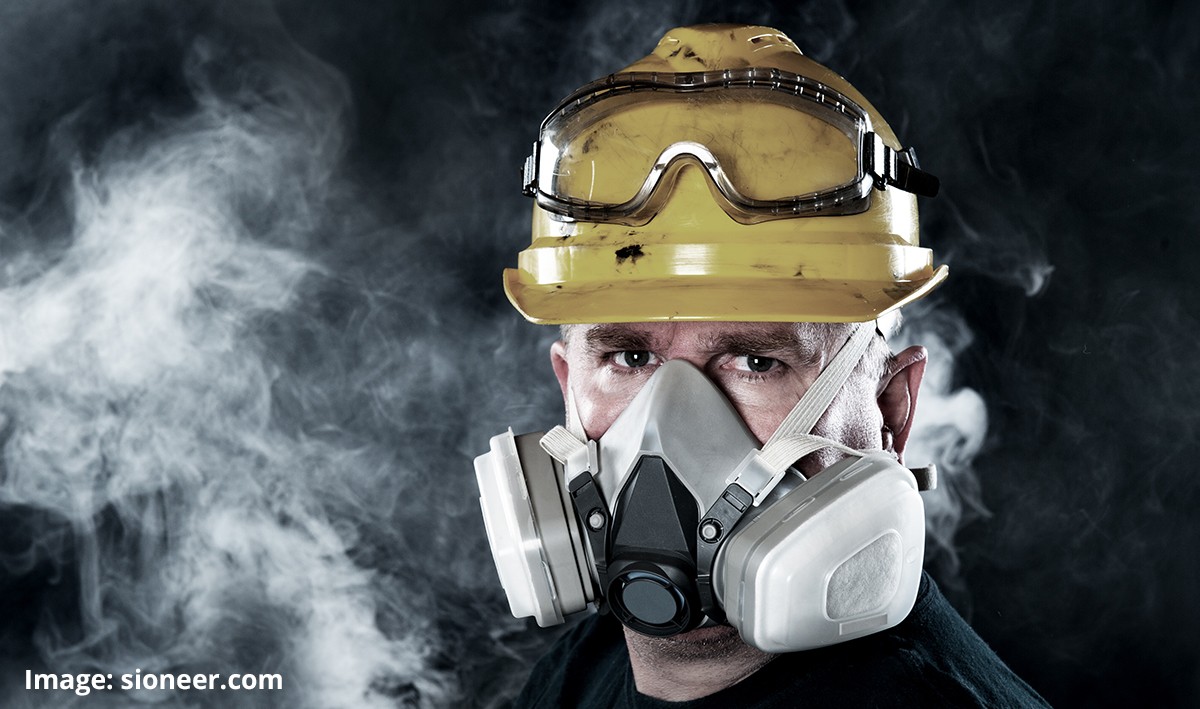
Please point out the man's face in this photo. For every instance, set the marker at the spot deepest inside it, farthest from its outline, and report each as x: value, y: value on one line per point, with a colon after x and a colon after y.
x: 762, y: 368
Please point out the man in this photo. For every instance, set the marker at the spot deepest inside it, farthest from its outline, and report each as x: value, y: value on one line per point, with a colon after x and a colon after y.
x: 725, y: 230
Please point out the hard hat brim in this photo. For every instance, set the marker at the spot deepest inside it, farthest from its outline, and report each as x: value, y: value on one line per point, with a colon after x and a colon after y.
x: 733, y: 300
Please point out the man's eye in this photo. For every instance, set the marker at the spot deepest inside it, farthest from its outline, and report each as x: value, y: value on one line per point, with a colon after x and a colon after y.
x: 633, y: 359
x: 754, y: 363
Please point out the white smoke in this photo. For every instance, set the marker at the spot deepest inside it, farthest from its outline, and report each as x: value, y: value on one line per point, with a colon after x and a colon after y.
x: 137, y: 403
x: 949, y: 430
x: 210, y: 508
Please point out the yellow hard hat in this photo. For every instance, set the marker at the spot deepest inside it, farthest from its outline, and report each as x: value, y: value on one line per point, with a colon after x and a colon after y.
x: 724, y: 177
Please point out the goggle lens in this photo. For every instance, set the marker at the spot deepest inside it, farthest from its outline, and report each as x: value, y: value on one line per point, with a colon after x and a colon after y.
x: 767, y: 148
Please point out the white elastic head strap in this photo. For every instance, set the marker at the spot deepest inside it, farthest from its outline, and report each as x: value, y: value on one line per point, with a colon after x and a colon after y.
x: 805, y: 414
x: 570, y: 445
x: 763, y: 469
x: 574, y: 421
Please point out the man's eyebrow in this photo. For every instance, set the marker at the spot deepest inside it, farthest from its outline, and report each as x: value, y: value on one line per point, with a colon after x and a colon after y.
x: 766, y: 342
x: 616, y: 338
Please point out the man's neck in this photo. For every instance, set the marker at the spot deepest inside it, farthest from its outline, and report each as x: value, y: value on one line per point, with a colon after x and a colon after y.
x: 692, y: 665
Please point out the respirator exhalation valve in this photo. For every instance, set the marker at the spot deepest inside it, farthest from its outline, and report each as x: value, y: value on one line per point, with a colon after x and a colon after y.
x: 650, y: 603
x: 651, y: 585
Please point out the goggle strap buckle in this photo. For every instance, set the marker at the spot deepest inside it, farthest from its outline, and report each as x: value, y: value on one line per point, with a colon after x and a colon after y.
x: 529, y: 172
x: 880, y: 160
x: 899, y: 169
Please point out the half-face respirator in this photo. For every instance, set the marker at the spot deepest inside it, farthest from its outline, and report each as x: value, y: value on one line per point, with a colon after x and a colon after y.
x: 676, y: 517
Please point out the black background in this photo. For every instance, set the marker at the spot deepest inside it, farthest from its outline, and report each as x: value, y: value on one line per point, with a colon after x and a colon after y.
x: 1064, y: 137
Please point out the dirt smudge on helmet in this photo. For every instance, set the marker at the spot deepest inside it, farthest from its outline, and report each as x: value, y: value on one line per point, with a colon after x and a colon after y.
x: 631, y: 253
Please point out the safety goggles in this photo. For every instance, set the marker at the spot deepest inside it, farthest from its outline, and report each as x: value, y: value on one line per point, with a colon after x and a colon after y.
x: 775, y: 144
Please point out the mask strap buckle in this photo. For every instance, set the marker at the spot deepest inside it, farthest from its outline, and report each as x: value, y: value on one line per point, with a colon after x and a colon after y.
x: 581, y: 462
x: 577, y: 457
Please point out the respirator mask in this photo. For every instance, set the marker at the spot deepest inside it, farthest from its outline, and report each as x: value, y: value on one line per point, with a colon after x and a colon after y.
x: 676, y: 518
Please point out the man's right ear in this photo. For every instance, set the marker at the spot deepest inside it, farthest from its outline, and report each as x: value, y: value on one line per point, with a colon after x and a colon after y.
x: 558, y: 360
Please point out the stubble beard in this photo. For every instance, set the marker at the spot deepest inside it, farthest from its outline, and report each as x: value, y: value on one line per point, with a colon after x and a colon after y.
x: 715, y: 644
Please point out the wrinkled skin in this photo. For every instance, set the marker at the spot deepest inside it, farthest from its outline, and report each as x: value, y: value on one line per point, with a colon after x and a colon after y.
x: 763, y: 369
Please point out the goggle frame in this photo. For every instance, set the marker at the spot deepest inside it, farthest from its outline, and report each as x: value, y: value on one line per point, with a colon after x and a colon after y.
x: 878, y: 165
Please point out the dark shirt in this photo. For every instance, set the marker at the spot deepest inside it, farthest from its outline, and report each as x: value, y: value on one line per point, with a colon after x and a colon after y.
x: 931, y: 659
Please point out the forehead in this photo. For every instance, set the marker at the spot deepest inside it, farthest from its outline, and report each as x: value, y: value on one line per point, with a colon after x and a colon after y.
x: 800, y: 339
